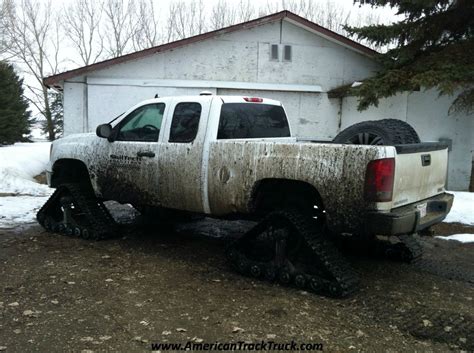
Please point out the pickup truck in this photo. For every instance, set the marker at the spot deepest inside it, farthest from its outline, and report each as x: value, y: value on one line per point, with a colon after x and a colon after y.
x: 235, y: 156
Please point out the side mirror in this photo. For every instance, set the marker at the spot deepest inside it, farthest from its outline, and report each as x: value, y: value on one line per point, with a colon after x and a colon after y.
x: 104, y: 131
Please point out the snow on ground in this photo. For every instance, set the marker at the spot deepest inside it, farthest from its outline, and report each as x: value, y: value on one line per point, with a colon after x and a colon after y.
x: 463, y: 208
x: 18, y: 210
x: 19, y: 164
x: 463, y: 238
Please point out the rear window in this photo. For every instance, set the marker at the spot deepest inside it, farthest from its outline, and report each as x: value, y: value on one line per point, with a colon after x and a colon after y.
x: 244, y: 120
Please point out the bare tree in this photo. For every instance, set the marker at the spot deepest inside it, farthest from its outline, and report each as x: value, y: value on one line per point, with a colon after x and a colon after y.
x: 33, y: 41
x: 2, y: 29
x: 121, y: 25
x: 185, y: 19
x: 222, y: 15
x: 246, y: 11
x: 147, y: 32
x: 328, y: 14
x: 81, y: 23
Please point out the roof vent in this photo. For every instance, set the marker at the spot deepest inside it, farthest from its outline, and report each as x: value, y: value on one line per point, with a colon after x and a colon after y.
x: 205, y: 93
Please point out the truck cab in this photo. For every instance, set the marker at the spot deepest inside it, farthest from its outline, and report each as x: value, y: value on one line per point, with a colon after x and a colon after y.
x: 157, y: 154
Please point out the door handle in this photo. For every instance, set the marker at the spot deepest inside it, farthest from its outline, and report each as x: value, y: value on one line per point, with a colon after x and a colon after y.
x: 425, y: 160
x: 145, y: 154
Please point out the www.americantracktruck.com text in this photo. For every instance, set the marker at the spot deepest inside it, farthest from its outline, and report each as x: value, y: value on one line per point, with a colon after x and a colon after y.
x: 237, y: 346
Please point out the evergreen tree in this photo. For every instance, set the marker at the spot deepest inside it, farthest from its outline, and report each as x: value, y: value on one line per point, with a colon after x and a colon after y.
x: 433, y: 47
x: 15, y: 122
x: 56, y: 109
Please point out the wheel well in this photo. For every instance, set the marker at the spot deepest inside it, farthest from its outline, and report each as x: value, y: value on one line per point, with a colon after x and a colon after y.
x: 69, y: 171
x: 272, y: 194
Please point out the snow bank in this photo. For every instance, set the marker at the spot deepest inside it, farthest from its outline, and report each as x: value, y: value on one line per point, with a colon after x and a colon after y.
x: 463, y: 208
x: 463, y: 238
x: 19, y: 164
x: 18, y: 210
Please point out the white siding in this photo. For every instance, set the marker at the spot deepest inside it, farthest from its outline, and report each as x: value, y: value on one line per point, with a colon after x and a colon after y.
x: 393, y: 108
x: 429, y: 115
x: 75, y: 107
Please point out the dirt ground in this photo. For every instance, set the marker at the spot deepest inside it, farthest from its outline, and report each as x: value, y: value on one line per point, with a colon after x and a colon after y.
x: 64, y: 294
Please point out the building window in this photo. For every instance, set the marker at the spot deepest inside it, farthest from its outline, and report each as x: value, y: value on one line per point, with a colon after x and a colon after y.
x: 185, y: 123
x: 287, y: 53
x: 274, y: 52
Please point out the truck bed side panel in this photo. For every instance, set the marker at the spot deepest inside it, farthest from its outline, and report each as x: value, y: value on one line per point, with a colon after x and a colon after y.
x: 336, y: 171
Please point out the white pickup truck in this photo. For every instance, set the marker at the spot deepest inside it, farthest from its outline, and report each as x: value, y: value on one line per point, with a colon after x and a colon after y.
x: 226, y: 155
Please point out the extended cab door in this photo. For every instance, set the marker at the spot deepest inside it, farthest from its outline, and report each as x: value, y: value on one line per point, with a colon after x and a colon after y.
x: 181, y: 156
x: 130, y: 170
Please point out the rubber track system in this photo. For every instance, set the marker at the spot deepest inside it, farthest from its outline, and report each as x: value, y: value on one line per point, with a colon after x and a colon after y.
x: 408, y: 249
x: 85, y: 217
x: 323, y: 270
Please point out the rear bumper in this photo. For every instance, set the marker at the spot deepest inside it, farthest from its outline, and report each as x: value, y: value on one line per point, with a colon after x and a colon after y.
x: 406, y: 219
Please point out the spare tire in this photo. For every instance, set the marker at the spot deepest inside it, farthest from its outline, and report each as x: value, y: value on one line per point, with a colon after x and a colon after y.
x: 379, y: 132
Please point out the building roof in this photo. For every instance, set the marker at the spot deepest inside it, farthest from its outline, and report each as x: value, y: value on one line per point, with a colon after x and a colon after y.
x: 55, y: 80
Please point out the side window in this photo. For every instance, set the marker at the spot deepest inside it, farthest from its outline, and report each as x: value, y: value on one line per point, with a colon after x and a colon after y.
x: 143, y: 124
x: 185, y: 123
x: 244, y: 120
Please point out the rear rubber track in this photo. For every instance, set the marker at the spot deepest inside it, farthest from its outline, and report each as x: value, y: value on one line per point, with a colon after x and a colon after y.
x: 408, y: 249
x: 329, y: 274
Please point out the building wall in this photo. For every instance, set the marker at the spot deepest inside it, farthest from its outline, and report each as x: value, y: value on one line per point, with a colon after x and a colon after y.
x: 245, y: 56
x: 429, y: 115
x: 75, y: 107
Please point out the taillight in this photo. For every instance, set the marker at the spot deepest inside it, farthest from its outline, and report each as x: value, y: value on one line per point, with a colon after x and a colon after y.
x: 253, y: 99
x: 379, y: 180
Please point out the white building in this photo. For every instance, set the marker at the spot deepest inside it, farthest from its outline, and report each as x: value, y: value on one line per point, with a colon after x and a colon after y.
x: 281, y: 56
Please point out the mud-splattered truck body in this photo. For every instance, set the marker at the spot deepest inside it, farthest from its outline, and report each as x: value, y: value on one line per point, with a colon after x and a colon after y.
x: 222, y: 155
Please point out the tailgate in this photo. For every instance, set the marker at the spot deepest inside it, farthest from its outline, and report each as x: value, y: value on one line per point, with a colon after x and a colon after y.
x: 420, y: 172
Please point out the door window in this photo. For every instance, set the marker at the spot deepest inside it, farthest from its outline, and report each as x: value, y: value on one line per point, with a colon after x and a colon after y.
x: 185, y: 123
x: 143, y: 124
